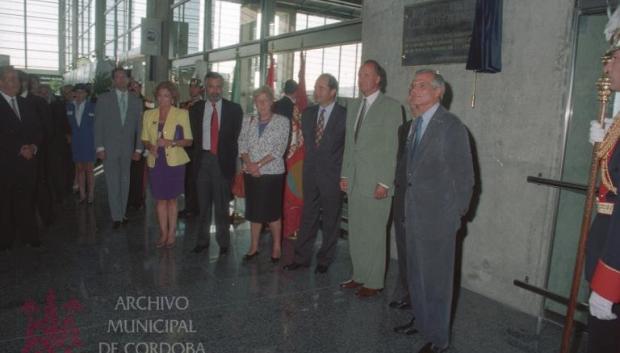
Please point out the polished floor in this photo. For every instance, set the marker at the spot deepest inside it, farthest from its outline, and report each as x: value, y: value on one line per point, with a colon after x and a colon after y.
x: 89, y: 279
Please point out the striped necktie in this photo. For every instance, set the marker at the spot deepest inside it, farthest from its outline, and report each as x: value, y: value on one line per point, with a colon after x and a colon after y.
x: 320, y: 128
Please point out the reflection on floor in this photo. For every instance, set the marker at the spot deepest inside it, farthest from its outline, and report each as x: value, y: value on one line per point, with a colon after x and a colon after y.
x: 98, y: 285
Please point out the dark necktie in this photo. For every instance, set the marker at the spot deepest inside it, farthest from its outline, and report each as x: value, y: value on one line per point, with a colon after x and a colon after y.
x: 320, y: 128
x: 359, y: 120
x: 415, y: 136
x: 215, y: 126
x: 15, y: 108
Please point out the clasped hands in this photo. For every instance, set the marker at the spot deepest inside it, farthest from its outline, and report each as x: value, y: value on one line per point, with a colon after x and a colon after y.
x: 252, y: 168
x: 27, y: 151
x: 161, y: 142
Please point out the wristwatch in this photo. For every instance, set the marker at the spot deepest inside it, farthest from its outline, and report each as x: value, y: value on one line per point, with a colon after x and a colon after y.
x: 174, y: 144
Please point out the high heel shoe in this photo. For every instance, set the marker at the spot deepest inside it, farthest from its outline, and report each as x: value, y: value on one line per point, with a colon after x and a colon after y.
x: 248, y: 257
x: 170, y: 245
x: 275, y: 260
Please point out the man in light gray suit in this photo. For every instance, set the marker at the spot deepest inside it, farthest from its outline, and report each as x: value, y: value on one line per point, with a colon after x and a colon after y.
x: 118, y: 123
x: 367, y: 176
x: 439, y: 179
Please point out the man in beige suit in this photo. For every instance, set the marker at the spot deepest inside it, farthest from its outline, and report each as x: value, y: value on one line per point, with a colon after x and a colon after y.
x: 367, y: 176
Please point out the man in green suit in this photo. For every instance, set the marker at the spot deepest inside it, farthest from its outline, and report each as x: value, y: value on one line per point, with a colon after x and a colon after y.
x: 367, y: 175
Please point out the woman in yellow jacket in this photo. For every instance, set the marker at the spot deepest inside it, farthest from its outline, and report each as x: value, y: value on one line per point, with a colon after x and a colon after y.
x: 165, y: 131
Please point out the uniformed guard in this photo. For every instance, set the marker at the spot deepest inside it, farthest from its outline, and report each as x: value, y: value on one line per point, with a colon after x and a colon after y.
x: 603, y: 246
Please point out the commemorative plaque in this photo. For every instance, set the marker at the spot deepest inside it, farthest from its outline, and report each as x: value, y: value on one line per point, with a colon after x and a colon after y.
x: 437, y: 32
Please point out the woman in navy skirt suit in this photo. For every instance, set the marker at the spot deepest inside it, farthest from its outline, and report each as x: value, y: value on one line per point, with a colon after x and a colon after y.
x: 81, y: 116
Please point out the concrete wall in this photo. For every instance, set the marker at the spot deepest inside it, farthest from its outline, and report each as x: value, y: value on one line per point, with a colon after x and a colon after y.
x: 517, y: 125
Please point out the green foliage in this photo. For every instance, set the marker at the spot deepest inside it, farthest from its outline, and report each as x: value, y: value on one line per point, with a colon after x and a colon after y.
x: 101, y: 83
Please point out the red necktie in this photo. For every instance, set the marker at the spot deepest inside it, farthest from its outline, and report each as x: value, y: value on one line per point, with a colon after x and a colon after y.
x: 215, y: 127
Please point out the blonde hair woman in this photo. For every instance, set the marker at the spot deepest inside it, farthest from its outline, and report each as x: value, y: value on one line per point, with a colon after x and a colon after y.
x: 165, y: 132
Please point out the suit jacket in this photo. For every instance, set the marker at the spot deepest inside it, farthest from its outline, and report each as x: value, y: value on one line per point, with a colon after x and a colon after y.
x: 14, y: 133
x: 603, y: 244
x: 150, y: 132
x: 273, y: 141
x: 110, y: 133
x: 230, y: 126
x: 400, y: 177
x: 440, y: 180
x: 284, y: 106
x: 323, y: 165
x: 440, y: 177
x: 372, y: 159
x: 82, y: 136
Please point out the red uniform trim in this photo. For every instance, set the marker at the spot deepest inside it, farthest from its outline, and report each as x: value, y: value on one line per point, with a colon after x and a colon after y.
x: 606, y: 282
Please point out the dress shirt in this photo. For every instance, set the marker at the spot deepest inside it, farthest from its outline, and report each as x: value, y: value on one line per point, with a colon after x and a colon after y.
x: 328, y: 111
x: 426, y: 118
x: 120, y: 93
x: 79, y: 110
x: 8, y: 101
x: 206, y: 122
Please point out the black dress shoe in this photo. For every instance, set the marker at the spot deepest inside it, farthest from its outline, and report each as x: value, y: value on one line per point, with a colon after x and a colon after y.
x: 294, y: 266
x: 125, y: 220
x: 406, y: 329
x: 186, y: 214
x: 400, y: 304
x: 321, y: 268
x: 199, y: 248
x: 116, y: 224
x: 431, y: 348
x: 223, y: 250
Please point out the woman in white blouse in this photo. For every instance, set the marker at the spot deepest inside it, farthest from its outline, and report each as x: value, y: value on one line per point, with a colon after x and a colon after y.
x: 262, y: 144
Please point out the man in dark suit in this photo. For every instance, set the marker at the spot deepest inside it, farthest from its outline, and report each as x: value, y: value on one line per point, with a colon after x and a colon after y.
x: 60, y: 150
x: 43, y: 194
x: 439, y: 183
x: 20, y: 134
x: 323, y: 127
x: 400, y: 295
x: 191, y: 196
x: 286, y: 105
x: 216, y: 125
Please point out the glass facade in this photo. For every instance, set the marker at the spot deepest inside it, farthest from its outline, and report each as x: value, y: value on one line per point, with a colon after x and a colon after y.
x: 29, y: 33
x: 342, y: 61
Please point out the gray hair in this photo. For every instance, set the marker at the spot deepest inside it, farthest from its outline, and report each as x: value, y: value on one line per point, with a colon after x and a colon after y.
x: 332, y: 83
x: 438, y: 80
x: 266, y: 90
x: 213, y: 74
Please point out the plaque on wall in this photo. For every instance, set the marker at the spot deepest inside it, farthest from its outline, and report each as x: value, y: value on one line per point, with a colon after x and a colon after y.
x: 437, y: 32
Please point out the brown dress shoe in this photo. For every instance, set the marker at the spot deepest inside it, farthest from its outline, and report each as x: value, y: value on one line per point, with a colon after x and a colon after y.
x: 350, y: 284
x: 364, y: 292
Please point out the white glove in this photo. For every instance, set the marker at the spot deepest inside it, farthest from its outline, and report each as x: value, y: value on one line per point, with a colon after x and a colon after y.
x: 600, y: 307
x: 597, y: 133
